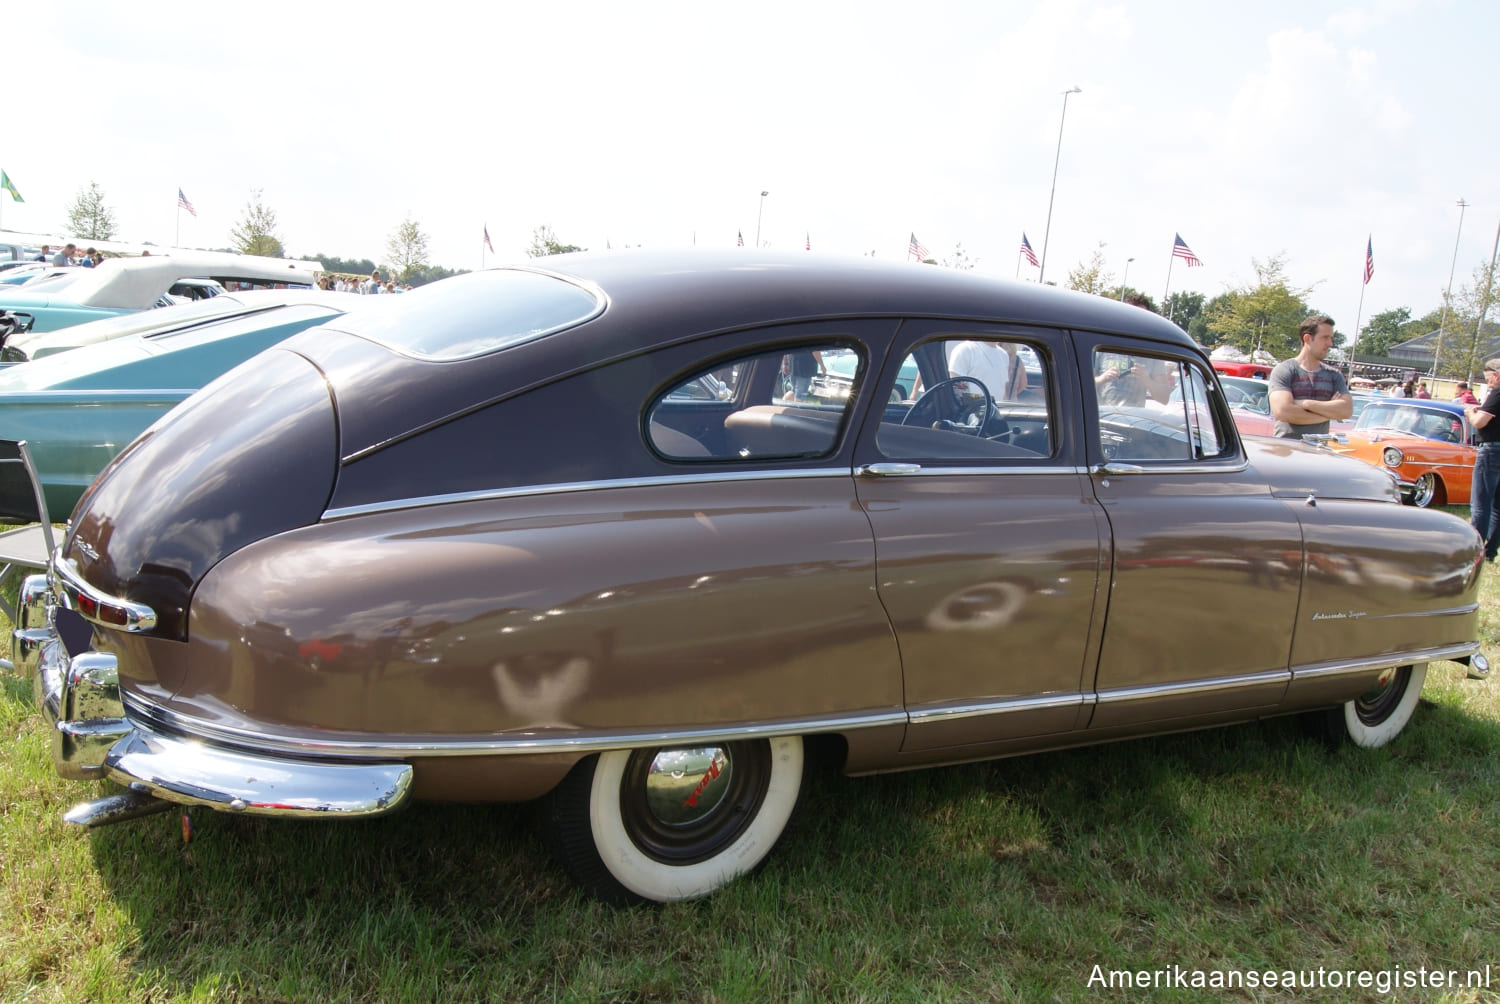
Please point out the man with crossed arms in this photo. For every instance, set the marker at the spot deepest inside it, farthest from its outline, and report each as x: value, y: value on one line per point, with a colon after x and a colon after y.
x: 1305, y: 394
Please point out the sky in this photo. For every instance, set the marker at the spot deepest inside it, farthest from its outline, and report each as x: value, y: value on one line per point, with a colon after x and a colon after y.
x: 1297, y: 129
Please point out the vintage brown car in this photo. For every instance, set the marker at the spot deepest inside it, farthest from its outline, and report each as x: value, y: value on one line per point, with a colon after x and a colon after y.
x: 585, y: 529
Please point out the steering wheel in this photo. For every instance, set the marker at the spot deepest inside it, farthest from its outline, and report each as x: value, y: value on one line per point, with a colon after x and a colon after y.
x: 941, y: 406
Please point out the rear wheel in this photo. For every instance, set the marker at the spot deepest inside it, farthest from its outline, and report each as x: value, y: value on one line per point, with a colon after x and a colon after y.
x: 1428, y: 491
x: 1379, y: 714
x: 670, y: 823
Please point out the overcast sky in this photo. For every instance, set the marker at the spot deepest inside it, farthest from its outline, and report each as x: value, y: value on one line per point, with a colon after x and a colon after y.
x: 1253, y: 129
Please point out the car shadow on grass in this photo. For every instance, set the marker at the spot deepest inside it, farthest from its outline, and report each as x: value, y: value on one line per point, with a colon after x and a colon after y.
x: 1215, y: 822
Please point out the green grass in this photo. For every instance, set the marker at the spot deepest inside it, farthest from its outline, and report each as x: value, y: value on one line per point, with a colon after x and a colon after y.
x: 1247, y: 848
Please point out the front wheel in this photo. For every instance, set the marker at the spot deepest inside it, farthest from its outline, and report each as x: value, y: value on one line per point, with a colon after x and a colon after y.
x: 1379, y: 714
x: 671, y: 823
x: 1428, y: 491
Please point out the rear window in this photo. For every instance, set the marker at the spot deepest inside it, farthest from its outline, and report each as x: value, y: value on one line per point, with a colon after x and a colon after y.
x: 470, y: 315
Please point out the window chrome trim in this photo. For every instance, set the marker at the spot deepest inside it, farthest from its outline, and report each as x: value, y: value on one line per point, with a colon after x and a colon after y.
x: 724, y: 477
x: 154, y: 717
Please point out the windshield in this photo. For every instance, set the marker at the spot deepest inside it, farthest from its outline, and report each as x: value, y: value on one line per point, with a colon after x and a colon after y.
x: 1429, y: 423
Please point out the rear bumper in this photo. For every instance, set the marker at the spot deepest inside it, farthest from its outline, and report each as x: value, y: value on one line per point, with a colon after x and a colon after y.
x: 93, y: 738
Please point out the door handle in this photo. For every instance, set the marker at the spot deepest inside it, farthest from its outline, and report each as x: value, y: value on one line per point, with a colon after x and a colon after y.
x: 1115, y: 467
x: 887, y: 470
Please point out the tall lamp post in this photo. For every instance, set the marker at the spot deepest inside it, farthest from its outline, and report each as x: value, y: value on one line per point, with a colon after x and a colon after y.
x: 1124, y: 277
x: 1047, y: 234
x: 1437, y: 353
x: 758, y: 215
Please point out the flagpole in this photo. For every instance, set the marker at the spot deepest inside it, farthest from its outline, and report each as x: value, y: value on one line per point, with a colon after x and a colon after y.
x: 1359, y: 314
x: 1169, y: 278
x: 1018, y: 263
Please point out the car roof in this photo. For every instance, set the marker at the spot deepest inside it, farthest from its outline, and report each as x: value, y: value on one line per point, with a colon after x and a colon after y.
x: 148, y: 322
x: 763, y: 286
x: 1452, y: 407
x: 135, y: 283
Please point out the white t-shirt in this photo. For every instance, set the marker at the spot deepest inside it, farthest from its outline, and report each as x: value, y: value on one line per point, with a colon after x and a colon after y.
x: 986, y: 362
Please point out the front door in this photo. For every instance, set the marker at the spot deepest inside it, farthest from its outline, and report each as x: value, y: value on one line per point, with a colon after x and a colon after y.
x: 1206, y: 564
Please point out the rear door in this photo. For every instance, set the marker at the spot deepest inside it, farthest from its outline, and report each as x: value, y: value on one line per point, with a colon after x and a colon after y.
x: 988, y: 544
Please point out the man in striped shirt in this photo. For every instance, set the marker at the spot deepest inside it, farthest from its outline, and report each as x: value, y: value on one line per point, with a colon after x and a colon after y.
x: 1304, y: 393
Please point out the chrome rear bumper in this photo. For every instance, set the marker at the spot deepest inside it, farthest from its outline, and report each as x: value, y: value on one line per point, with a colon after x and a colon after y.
x: 93, y: 738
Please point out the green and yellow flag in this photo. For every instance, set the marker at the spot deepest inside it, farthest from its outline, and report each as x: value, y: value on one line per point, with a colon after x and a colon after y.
x: 5, y: 184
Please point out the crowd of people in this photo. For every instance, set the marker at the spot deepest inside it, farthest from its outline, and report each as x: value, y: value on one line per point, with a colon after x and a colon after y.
x: 71, y: 255
x: 356, y: 284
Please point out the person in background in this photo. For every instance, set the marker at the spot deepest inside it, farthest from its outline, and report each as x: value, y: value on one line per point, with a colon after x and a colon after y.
x: 1484, y: 506
x: 1422, y: 392
x: 1465, y: 395
x: 1305, y: 393
x: 65, y: 256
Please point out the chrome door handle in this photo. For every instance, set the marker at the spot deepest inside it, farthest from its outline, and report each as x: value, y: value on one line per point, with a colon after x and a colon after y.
x: 1115, y: 467
x: 887, y: 470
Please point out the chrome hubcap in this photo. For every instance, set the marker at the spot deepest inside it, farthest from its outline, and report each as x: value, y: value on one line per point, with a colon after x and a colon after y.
x: 685, y: 786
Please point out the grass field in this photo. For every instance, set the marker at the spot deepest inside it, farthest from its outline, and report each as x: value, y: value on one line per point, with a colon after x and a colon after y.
x: 1242, y: 849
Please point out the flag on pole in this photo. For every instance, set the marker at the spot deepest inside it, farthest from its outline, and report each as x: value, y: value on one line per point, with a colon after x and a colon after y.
x: 1027, y: 253
x: 741, y: 235
x: 916, y: 248
x: 182, y: 202
x: 1369, y: 259
x: 1181, y: 250
x: 5, y: 183
x: 487, y: 239
x: 808, y: 245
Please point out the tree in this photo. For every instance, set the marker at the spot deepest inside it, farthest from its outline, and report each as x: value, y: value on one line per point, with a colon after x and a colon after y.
x: 961, y: 259
x: 1263, y: 316
x: 1090, y: 276
x: 89, y: 217
x: 544, y: 242
x: 407, y: 249
x: 1385, y: 330
x: 256, y: 232
x: 1462, y: 335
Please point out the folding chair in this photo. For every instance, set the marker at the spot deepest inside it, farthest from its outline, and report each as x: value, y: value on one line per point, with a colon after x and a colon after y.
x: 21, y: 501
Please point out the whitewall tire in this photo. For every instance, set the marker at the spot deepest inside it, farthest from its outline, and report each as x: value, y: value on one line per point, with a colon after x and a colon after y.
x: 1378, y: 716
x: 674, y: 823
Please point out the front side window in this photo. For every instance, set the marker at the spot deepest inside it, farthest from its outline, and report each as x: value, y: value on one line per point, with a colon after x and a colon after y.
x: 970, y: 397
x: 1154, y: 409
x: 781, y: 404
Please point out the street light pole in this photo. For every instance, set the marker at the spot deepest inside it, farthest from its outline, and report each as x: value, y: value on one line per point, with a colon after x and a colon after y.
x: 1437, y: 353
x: 1047, y: 234
x: 1124, y: 277
x: 758, y: 215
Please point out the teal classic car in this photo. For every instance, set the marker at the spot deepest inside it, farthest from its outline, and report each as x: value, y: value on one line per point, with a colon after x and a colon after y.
x: 122, y: 285
x: 77, y: 410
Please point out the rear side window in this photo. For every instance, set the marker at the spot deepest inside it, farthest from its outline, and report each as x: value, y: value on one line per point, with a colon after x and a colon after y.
x: 783, y: 404
x: 470, y: 315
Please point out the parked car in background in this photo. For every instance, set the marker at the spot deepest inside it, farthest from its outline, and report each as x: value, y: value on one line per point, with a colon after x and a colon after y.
x: 493, y: 543
x: 121, y: 285
x: 1428, y: 445
x: 78, y: 410
x: 1234, y: 368
x: 1250, y: 403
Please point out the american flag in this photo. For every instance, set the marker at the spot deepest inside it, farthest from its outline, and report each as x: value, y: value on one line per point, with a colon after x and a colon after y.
x: 915, y: 248
x: 741, y: 238
x: 487, y: 239
x: 1369, y: 259
x: 1027, y: 253
x: 1181, y: 250
x: 808, y: 245
x: 184, y: 203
